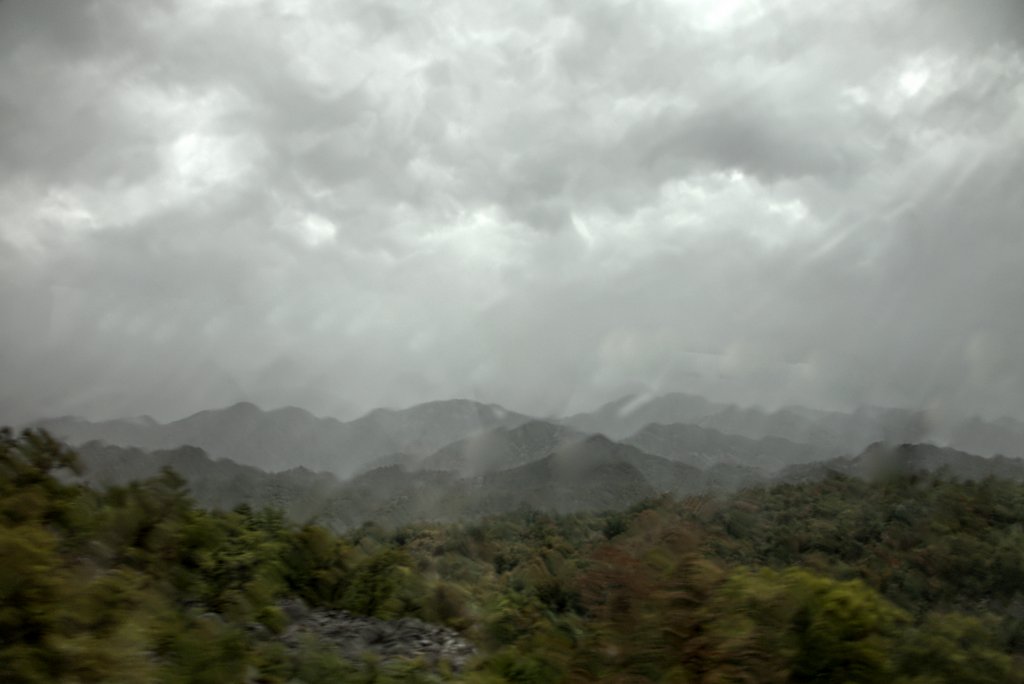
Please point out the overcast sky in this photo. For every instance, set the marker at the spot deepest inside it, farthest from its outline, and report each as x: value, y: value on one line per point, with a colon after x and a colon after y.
x: 344, y: 204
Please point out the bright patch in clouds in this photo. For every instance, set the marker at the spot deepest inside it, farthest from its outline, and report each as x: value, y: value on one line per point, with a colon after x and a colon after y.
x: 724, y: 15
x: 202, y: 161
x: 912, y: 81
x: 316, y: 230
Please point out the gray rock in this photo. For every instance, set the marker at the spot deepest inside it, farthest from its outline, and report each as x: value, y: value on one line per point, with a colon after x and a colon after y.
x: 352, y: 636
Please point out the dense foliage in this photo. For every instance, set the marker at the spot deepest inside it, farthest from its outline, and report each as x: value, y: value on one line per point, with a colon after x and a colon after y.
x: 915, y: 580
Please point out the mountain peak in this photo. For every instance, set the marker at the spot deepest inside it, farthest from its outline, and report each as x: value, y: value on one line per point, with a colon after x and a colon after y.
x: 244, y: 407
x: 598, y: 440
x: 291, y: 412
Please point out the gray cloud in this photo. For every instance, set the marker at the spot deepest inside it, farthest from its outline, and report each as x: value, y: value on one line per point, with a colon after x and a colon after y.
x: 340, y: 205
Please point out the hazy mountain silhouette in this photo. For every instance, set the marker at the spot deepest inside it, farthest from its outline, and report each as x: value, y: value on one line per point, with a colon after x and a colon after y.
x: 625, y: 416
x: 291, y: 437
x: 501, y: 448
x: 1004, y: 436
x: 842, y: 433
x: 883, y: 460
x: 470, y: 438
x: 591, y: 474
x: 221, y: 484
x: 705, y: 447
x: 838, y: 433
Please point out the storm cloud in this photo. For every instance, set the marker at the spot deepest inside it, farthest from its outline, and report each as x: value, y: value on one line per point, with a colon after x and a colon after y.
x: 545, y: 204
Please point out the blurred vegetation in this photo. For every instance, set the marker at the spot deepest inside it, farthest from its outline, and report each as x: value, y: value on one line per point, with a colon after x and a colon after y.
x: 916, y: 580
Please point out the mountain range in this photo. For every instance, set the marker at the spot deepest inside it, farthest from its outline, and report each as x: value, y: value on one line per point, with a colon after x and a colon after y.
x: 500, y: 448
x: 592, y: 474
x: 714, y: 432
x: 705, y: 447
x: 290, y: 437
x: 836, y: 432
x: 886, y: 460
x: 447, y: 460
x: 219, y: 484
x: 587, y: 475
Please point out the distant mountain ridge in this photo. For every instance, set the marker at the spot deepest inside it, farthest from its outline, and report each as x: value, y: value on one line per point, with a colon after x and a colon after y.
x: 501, y: 448
x: 836, y: 433
x: 219, y: 484
x: 288, y: 437
x: 885, y: 460
x: 472, y: 438
x: 705, y: 447
x: 629, y: 414
x: 594, y: 473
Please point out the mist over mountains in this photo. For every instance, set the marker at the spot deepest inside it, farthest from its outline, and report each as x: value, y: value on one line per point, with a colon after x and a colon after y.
x: 459, y: 459
x: 290, y: 437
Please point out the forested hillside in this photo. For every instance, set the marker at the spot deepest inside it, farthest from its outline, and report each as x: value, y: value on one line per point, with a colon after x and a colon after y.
x: 913, y: 579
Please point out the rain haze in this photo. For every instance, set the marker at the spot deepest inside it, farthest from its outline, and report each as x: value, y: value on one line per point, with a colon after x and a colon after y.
x: 343, y: 205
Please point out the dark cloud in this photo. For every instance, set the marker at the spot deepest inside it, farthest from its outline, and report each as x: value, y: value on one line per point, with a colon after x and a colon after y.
x: 341, y: 205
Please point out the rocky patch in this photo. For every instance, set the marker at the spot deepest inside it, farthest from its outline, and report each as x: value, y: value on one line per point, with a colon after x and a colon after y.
x: 354, y: 635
